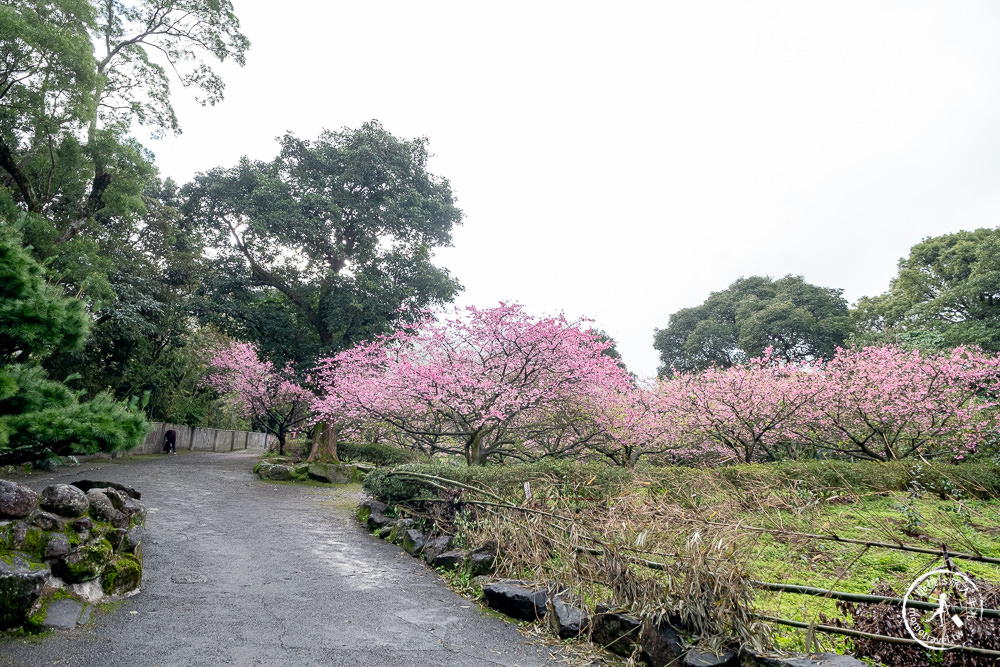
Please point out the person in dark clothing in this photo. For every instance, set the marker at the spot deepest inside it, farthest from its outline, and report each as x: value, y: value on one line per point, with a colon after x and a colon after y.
x: 170, y: 442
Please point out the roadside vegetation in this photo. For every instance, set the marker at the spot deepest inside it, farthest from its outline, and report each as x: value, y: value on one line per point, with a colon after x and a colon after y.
x: 723, y: 548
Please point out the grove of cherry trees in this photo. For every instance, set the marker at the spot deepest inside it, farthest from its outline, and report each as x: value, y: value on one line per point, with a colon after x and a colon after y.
x: 498, y: 384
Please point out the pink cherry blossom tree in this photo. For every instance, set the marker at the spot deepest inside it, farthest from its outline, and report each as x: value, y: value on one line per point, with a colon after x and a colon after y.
x: 875, y: 403
x: 741, y: 413
x: 490, y: 384
x: 273, y: 399
x: 886, y: 403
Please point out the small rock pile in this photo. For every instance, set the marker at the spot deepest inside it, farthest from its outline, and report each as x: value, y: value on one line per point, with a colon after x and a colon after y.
x: 656, y: 645
x: 287, y: 471
x: 436, y: 551
x: 84, y: 538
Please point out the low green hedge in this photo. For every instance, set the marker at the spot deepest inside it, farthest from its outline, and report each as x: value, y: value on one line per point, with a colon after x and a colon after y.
x: 598, y: 481
x: 590, y: 480
x: 377, y: 454
x: 975, y: 479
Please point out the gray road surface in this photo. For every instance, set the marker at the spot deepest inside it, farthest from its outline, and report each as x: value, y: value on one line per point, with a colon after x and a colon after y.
x: 244, y: 572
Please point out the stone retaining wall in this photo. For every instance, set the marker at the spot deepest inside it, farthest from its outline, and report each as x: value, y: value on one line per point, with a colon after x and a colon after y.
x: 84, y: 539
x: 196, y: 439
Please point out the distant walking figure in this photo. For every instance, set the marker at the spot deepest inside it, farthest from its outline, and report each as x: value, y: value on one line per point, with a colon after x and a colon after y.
x: 170, y: 442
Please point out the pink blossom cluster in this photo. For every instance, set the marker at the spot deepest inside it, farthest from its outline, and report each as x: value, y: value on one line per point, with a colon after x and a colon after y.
x: 498, y: 383
x: 876, y: 403
x: 272, y: 398
x: 490, y: 384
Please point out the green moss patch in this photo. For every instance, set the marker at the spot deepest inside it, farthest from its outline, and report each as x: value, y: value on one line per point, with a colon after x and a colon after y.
x: 121, y: 576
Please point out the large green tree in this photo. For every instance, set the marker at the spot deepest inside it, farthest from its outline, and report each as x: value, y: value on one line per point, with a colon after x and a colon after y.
x: 947, y: 293
x: 40, y: 417
x: 77, y: 78
x: 66, y: 108
x: 328, y: 244
x: 796, y: 319
x: 143, y: 336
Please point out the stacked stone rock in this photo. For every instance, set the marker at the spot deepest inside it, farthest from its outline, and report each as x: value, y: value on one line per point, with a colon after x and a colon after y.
x: 436, y: 551
x: 85, y: 538
x: 286, y: 471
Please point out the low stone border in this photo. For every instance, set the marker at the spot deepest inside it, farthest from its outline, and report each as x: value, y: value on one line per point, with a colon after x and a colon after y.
x: 620, y: 633
x: 331, y: 473
x: 69, y: 545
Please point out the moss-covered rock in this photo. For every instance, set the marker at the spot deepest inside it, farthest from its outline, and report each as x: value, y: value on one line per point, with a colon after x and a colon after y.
x: 21, y: 582
x: 33, y: 543
x: 399, y: 528
x: 121, y: 576
x: 333, y: 473
x: 102, y: 509
x: 85, y: 564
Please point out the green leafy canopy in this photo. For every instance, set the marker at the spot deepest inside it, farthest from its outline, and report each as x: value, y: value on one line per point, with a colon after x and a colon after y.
x: 796, y: 319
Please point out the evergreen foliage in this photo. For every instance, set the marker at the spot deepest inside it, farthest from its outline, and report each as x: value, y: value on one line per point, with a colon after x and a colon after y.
x: 34, y: 318
x: 39, y: 417
x: 797, y: 320
x: 947, y: 293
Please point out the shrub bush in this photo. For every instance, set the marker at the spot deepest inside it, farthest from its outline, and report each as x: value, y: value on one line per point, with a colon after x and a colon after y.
x: 598, y: 481
x: 378, y: 454
x: 592, y: 480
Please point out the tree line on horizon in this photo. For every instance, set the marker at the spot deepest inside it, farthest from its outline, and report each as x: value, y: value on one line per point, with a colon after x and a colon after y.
x: 946, y: 294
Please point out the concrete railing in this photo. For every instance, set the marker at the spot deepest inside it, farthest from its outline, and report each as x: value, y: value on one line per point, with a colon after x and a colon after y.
x: 203, y: 439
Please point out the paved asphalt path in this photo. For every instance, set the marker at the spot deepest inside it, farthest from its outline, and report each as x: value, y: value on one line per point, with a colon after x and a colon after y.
x: 240, y: 571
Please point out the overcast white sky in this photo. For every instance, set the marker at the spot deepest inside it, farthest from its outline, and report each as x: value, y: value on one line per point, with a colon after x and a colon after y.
x: 623, y: 160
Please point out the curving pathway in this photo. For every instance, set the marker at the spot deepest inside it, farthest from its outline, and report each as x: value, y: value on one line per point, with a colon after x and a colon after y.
x: 244, y: 572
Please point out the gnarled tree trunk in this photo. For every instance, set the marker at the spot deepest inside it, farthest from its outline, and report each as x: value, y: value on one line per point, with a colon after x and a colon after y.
x: 324, y: 444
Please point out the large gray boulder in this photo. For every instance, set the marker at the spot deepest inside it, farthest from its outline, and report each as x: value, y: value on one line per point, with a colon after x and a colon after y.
x: 413, y: 541
x: 65, y: 500
x: 662, y: 644
x: 277, y: 472
x: 118, y: 498
x: 449, y: 559
x: 482, y: 560
x: 374, y: 515
x: 58, y: 545
x: 566, y: 620
x: 21, y: 583
x: 103, y: 509
x: 16, y: 501
x: 525, y: 602
x: 618, y: 633
x: 333, y: 473
x: 436, y: 546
